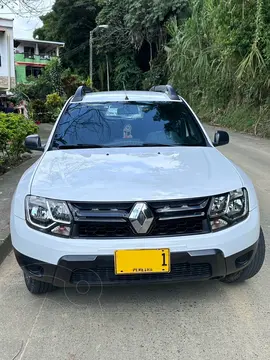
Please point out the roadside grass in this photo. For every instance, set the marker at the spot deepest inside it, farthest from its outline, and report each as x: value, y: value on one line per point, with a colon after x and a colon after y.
x: 241, y: 118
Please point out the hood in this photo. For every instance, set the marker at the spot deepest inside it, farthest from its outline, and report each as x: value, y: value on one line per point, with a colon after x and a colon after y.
x: 134, y: 174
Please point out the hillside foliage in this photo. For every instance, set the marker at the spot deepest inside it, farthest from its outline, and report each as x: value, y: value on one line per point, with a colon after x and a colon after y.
x: 216, y: 53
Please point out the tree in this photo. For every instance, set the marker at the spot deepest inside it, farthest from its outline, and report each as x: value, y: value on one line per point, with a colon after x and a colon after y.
x: 136, y: 35
x: 219, y: 49
x: 50, y: 81
x: 139, y: 34
x: 25, y: 7
x: 48, y: 30
x: 127, y: 75
x: 70, y: 21
x: 142, y: 25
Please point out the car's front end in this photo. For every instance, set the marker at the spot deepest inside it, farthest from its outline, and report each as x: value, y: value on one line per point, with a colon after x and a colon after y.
x: 75, y: 242
x: 99, y: 231
x: 132, y: 211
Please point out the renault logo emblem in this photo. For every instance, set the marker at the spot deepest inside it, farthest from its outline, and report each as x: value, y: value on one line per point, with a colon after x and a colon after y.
x: 141, y: 217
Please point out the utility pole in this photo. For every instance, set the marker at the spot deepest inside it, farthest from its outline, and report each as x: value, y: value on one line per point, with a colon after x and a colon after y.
x: 91, y: 49
x: 91, y: 56
x: 108, y: 73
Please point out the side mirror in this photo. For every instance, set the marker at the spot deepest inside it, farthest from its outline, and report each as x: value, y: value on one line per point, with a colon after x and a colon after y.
x: 221, y: 138
x: 33, y: 142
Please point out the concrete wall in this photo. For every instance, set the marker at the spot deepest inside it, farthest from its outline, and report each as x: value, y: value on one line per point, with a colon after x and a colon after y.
x: 20, y: 48
x: 7, y: 68
x: 4, y: 83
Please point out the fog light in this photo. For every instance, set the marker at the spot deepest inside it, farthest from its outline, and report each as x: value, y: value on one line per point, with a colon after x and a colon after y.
x: 62, y: 230
x: 217, y: 224
x: 243, y: 260
x: 35, y: 270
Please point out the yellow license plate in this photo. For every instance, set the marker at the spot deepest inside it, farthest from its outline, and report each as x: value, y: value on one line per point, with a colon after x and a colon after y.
x: 142, y: 261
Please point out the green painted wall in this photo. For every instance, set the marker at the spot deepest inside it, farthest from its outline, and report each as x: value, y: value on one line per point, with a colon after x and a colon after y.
x: 21, y: 69
x: 36, y: 60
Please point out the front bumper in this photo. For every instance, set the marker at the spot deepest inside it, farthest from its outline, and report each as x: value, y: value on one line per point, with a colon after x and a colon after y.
x: 50, y: 249
x: 84, y: 270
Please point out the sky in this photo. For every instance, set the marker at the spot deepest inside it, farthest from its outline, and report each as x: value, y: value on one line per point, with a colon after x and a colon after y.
x: 25, y: 25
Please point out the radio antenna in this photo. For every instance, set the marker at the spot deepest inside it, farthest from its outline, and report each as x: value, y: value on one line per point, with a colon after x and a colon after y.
x: 126, y: 98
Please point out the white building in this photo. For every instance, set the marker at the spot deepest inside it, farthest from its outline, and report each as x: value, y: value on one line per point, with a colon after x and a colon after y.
x: 7, y: 68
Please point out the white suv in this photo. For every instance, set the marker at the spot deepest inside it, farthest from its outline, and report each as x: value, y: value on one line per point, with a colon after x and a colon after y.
x: 130, y: 189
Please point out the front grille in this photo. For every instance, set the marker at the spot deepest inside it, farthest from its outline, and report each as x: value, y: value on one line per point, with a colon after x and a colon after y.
x: 103, y: 230
x: 178, y: 272
x: 178, y: 227
x: 111, y: 220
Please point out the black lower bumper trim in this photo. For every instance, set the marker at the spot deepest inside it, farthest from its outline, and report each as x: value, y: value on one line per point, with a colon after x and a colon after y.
x: 85, y: 270
x: 240, y: 260
x: 105, y: 275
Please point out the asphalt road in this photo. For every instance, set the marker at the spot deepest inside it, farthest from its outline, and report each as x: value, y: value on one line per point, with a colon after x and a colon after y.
x: 203, y: 321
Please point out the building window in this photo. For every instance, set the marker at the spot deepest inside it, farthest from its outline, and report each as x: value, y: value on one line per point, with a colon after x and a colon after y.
x: 28, y: 71
x: 29, y: 52
x: 33, y: 71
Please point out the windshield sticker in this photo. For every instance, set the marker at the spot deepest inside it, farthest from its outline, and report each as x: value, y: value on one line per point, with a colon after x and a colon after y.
x: 112, y: 111
x: 127, y: 132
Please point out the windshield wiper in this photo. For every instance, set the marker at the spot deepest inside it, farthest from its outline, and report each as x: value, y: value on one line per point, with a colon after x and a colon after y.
x: 192, y: 145
x: 155, y: 145
x: 159, y: 145
x: 80, y: 146
x: 144, y: 145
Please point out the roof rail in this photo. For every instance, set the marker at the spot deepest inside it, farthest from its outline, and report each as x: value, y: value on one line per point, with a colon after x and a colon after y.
x: 167, y: 89
x: 80, y: 92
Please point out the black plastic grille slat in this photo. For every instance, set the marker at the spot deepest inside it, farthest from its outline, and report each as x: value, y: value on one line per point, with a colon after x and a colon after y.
x: 104, y: 230
x: 178, y: 227
x: 177, y: 203
x: 160, y: 228
x: 183, y: 271
x: 109, y: 227
x: 102, y: 206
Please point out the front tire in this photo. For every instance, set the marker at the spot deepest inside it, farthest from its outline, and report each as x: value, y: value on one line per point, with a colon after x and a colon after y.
x: 253, y: 268
x: 36, y: 286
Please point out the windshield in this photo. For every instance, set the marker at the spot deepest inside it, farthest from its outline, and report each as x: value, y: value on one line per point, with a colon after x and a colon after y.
x: 128, y: 124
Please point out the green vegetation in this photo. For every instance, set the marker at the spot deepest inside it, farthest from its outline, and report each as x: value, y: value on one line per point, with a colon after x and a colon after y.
x: 133, y: 43
x: 70, y: 21
x: 47, y: 93
x: 54, y: 104
x: 54, y: 79
x: 222, y: 53
x: 216, y: 53
x: 13, y: 130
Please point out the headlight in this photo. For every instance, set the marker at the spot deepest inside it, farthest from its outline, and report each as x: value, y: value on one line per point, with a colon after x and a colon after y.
x: 48, y: 215
x: 228, y: 209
